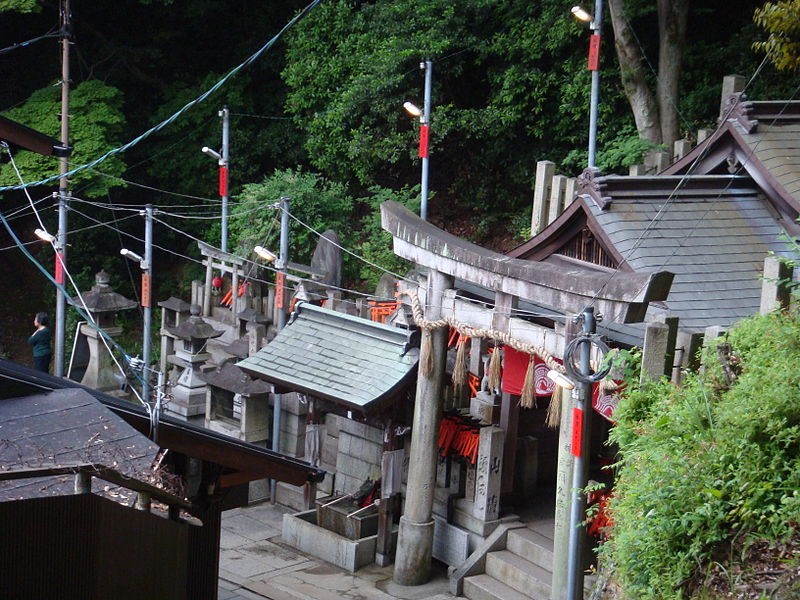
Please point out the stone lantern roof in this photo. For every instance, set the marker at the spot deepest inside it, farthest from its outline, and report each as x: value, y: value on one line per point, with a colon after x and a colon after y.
x: 102, y: 297
x: 252, y: 316
x: 194, y: 328
x: 231, y: 378
x: 176, y: 304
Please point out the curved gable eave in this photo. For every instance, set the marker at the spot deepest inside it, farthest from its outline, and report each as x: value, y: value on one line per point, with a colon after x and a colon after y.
x: 569, y: 223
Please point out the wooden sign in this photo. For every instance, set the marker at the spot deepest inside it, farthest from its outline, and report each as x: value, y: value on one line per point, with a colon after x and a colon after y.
x: 146, y: 290
x: 577, y: 431
x: 594, y: 53
x: 279, y: 289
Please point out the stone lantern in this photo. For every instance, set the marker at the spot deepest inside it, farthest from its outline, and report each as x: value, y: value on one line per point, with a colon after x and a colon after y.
x: 174, y: 312
x: 189, y: 393
x: 102, y: 303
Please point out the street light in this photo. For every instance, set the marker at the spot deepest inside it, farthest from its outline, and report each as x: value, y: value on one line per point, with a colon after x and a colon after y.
x: 265, y: 254
x: 44, y: 236
x: 595, y: 24
x: 130, y: 254
x: 424, y: 126
x: 560, y: 380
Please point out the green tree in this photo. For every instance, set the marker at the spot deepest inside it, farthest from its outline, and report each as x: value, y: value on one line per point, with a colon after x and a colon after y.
x: 95, y: 128
x: 781, y: 20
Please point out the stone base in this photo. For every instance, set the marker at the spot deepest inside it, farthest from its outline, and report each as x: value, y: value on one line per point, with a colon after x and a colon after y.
x: 187, y: 402
x: 258, y: 491
x: 413, y: 558
x: 302, y: 532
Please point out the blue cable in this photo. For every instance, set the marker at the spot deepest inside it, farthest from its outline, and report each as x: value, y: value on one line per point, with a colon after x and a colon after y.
x: 180, y: 112
x: 63, y: 290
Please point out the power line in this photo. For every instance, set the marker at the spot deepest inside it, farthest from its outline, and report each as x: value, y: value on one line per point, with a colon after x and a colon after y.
x: 202, y: 97
x: 28, y: 42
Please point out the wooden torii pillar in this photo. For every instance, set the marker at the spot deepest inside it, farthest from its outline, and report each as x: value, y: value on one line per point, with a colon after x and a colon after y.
x: 621, y: 298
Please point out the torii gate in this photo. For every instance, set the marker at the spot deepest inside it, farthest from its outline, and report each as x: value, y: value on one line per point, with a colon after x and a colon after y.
x: 621, y: 297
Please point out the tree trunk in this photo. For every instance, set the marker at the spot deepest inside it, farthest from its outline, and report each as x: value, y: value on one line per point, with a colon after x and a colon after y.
x: 634, y: 83
x: 672, y: 36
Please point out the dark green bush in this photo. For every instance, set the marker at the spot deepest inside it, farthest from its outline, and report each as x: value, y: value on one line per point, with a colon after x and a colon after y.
x: 705, y: 464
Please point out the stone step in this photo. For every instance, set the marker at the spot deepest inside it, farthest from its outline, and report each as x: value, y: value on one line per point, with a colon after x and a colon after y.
x: 532, y: 546
x: 518, y: 573
x: 545, y: 527
x: 486, y: 587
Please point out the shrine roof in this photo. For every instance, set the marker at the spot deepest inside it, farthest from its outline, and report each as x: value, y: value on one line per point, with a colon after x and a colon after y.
x: 338, y: 357
x: 712, y: 231
x: 62, y: 428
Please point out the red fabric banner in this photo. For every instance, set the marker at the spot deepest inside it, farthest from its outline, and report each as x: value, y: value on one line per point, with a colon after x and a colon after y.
x: 515, y: 364
x: 543, y: 385
x: 605, y: 404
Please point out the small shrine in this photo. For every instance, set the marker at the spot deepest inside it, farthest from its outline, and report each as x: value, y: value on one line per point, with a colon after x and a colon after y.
x: 189, y: 392
x: 91, y: 362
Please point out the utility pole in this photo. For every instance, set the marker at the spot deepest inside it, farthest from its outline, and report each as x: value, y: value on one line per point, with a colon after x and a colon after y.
x: 63, y: 193
x: 222, y: 161
x: 581, y: 420
x: 147, y: 304
x: 280, y: 300
x: 594, y: 67
x: 424, y: 130
x: 223, y: 174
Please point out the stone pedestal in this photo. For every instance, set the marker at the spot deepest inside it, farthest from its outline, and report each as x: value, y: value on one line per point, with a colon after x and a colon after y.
x: 189, y: 393
x: 488, y: 474
x: 101, y: 372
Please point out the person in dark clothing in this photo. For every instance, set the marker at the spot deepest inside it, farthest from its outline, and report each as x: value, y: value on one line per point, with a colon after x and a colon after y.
x: 40, y: 342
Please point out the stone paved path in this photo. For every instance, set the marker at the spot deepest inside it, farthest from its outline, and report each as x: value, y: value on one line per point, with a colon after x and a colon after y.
x: 254, y: 564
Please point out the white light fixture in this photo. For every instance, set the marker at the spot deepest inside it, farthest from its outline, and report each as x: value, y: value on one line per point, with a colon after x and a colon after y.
x: 212, y: 153
x: 581, y: 14
x: 264, y: 253
x: 412, y: 109
x: 560, y: 380
x: 44, y: 236
x: 131, y: 255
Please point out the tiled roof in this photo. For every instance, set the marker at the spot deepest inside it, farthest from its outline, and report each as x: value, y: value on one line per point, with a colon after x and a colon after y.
x: 63, y: 428
x: 337, y: 357
x: 714, y: 238
x: 776, y: 144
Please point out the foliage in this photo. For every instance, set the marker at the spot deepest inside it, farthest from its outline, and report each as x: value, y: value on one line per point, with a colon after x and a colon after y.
x: 781, y: 20
x: 508, y: 86
x: 315, y: 202
x: 375, y: 244
x: 709, y: 462
x: 21, y: 6
x: 95, y: 128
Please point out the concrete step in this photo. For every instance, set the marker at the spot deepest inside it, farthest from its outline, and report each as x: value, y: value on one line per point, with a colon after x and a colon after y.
x: 532, y: 546
x: 518, y: 573
x: 486, y: 587
x: 545, y: 527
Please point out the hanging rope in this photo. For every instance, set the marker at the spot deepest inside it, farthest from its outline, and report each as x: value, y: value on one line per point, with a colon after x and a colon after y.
x: 527, y: 398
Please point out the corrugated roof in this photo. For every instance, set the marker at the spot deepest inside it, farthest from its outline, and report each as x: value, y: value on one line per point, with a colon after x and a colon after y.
x: 714, y: 240
x: 338, y: 357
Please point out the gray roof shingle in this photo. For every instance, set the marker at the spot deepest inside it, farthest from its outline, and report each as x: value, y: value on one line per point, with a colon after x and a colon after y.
x: 337, y: 357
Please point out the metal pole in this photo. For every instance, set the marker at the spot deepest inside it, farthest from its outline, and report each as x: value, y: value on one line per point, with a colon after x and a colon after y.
x: 223, y: 175
x: 63, y: 193
x: 425, y: 121
x: 597, y: 26
x: 147, y: 295
x: 581, y: 419
x: 283, y: 260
